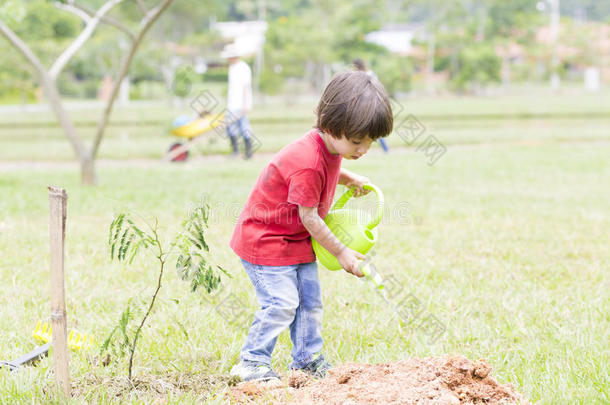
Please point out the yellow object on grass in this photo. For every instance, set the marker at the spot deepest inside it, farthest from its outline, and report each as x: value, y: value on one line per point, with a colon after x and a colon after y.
x: 199, y: 126
x: 76, y: 340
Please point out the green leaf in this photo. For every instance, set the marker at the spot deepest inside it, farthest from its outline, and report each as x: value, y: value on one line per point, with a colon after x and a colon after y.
x: 224, y: 271
x: 118, y: 226
x: 114, y: 232
x: 193, y: 264
x: 134, y: 250
x: 122, y: 241
x: 106, y: 343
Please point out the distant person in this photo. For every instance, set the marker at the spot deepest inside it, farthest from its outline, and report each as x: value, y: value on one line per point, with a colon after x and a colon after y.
x: 285, y: 210
x: 239, y: 100
x: 361, y: 66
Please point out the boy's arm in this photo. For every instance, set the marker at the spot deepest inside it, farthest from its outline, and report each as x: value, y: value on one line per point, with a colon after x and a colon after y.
x: 347, y: 257
x: 350, y: 179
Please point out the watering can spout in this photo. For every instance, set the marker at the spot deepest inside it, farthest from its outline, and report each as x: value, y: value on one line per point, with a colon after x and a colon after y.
x: 346, y: 227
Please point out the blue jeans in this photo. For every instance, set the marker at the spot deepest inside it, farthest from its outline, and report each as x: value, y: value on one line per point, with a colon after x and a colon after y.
x: 289, y: 296
x: 241, y: 127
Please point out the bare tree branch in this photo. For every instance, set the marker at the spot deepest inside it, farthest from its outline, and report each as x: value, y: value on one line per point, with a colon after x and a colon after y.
x: 142, y: 7
x: 78, y: 43
x: 153, y: 14
x: 145, y: 25
x: 86, y: 14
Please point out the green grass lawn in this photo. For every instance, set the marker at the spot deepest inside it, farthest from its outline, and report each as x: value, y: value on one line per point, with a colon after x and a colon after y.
x: 504, y: 240
x: 152, y: 141
x: 506, y: 245
x: 142, y: 130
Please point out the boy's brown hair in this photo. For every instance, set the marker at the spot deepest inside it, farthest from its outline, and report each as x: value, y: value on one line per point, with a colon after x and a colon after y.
x: 355, y: 104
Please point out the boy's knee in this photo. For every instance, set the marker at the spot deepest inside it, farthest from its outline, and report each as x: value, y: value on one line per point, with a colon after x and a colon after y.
x: 289, y: 312
x: 285, y: 310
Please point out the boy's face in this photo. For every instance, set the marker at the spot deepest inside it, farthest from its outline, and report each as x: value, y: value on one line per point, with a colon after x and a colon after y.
x: 350, y: 148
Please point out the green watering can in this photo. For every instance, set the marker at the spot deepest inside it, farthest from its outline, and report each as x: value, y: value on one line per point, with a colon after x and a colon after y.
x: 345, y: 225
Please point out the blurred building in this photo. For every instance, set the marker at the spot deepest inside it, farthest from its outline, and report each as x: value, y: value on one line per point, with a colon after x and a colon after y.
x: 397, y: 38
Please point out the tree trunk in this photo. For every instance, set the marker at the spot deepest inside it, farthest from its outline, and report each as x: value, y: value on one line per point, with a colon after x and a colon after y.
x: 53, y: 97
x: 84, y: 157
x: 87, y: 171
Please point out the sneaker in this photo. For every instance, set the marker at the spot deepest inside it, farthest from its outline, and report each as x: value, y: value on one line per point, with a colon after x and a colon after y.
x: 317, y: 367
x: 252, y: 371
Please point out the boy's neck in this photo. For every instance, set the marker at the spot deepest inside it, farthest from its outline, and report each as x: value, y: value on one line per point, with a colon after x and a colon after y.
x: 327, y: 143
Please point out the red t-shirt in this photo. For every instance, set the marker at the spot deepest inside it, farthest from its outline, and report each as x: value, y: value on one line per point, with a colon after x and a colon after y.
x: 269, y: 230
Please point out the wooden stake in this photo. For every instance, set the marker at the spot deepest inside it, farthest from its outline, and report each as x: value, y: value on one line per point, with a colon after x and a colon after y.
x: 57, y: 227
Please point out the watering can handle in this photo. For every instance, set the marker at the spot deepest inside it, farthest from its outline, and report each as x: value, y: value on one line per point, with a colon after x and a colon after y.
x: 349, y: 194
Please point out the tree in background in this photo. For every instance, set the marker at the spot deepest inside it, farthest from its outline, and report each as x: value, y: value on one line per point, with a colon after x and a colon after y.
x: 394, y: 71
x: 310, y: 39
x: 47, y: 28
x: 462, y: 36
x: 188, y: 25
x: 48, y: 77
x: 477, y: 66
x: 307, y: 41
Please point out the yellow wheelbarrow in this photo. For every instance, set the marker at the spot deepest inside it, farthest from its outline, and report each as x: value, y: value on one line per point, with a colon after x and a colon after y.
x: 191, y: 132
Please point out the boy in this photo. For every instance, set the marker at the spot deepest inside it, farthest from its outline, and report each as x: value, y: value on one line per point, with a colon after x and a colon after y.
x: 285, y: 210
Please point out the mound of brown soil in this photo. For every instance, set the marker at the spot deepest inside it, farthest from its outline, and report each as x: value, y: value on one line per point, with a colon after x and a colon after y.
x: 436, y: 380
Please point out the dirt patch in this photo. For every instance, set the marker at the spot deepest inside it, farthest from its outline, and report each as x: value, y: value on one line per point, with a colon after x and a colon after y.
x: 437, y: 380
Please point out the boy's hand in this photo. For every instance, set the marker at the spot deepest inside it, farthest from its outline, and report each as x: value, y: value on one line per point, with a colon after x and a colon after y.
x: 353, y: 180
x: 348, y: 259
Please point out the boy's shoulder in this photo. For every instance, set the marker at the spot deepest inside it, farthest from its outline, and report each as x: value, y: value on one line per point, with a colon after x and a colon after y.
x: 303, y: 153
